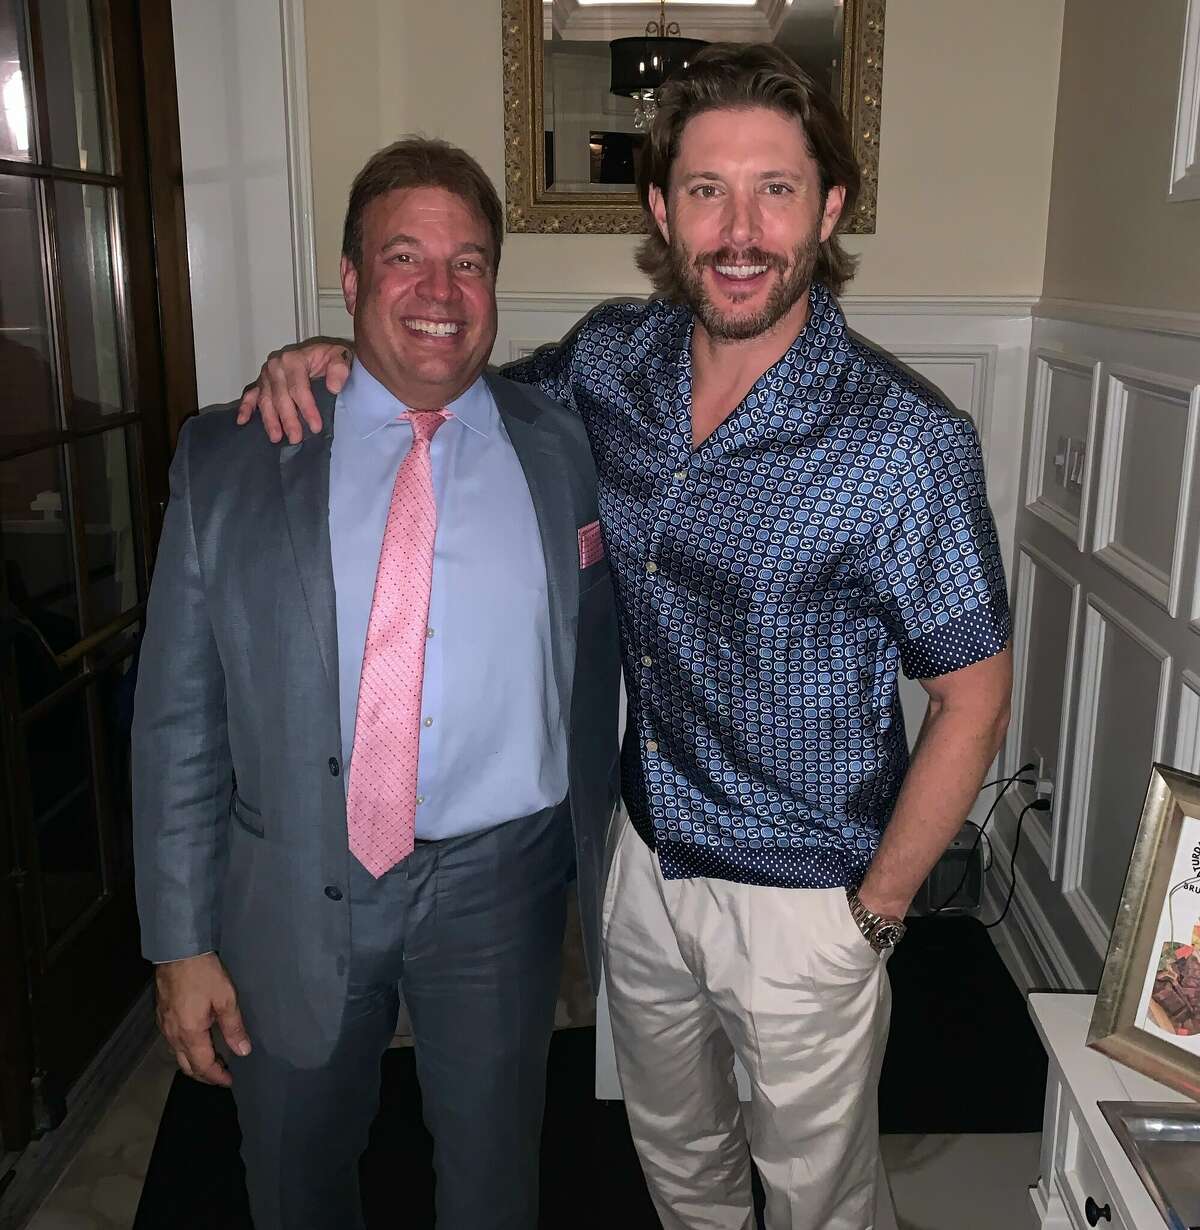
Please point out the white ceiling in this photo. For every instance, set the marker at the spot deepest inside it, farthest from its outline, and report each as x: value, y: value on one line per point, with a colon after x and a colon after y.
x: 789, y: 22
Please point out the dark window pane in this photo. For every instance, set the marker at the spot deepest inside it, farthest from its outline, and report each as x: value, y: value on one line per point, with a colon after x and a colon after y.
x: 72, y: 85
x: 35, y: 535
x: 28, y: 405
x: 89, y: 304
x: 114, y: 712
x: 110, y: 524
x: 16, y: 113
x: 64, y: 812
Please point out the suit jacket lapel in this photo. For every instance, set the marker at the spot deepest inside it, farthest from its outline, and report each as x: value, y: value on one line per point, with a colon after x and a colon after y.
x: 304, y: 476
x: 543, y: 467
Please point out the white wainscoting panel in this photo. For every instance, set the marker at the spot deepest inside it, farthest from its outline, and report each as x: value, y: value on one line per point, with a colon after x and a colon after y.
x: 1185, y: 159
x: 1065, y: 400
x: 1120, y: 708
x: 1148, y: 457
x: 1123, y: 694
x: 1045, y: 618
x: 1187, y: 736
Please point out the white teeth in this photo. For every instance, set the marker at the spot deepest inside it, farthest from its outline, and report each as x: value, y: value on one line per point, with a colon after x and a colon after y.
x: 437, y: 328
x: 741, y: 271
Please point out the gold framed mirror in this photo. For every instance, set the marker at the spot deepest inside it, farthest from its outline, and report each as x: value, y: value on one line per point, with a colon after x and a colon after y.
x: 570, y: 143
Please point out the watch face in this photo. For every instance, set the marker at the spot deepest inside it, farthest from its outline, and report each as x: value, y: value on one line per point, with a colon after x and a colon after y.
x: 890, y: 934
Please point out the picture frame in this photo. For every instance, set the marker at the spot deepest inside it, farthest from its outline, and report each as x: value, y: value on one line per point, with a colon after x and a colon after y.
x: 1147, y: 1012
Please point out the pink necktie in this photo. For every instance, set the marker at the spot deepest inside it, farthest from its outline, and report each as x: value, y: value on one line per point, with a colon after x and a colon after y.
x: 381, y: 807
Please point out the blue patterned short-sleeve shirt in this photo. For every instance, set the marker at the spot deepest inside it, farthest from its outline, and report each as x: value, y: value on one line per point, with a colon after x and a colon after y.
x: 772, y: 582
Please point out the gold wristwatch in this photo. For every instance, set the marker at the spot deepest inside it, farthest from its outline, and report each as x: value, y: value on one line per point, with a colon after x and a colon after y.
x: 879, y: 930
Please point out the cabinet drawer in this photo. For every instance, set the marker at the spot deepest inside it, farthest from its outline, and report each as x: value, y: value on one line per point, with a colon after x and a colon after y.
x: 1080, y: 1182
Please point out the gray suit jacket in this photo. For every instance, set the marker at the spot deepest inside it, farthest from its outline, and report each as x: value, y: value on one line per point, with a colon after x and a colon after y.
x: 239, y: 809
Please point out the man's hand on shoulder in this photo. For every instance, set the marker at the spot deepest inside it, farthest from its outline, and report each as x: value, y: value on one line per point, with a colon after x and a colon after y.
x: 282, y: 394
x: 194, y: 995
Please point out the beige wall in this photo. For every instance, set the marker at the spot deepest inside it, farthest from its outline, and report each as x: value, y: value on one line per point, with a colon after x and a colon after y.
x: 1113, y: 236
x: 969, y: 96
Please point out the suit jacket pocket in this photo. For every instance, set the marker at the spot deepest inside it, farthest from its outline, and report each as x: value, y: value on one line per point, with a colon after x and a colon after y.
x: 592, y: 575
x: 250, y: 818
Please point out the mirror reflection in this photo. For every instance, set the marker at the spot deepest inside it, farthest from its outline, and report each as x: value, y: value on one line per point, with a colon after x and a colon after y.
x: 592, y: 135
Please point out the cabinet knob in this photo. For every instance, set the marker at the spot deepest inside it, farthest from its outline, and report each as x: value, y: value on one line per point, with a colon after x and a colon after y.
x: 1095, y: 1213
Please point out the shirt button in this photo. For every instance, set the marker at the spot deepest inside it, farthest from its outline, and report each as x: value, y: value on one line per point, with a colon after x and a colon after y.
x: 333, y: 892
x: 334, y: 767
x: 680, y: 475
x: 427, y: 722
x: 420, y: 799
x: 651, y: 566
x: 651, y: 746
x: 647, y: 660
x: 428, y: 633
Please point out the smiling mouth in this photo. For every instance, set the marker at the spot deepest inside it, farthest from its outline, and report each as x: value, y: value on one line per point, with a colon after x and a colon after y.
x: 740, y: 273
x: 433, y: 328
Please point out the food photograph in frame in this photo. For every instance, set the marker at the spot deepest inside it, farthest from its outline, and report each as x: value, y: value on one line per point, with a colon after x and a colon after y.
x: 1147, y: 1012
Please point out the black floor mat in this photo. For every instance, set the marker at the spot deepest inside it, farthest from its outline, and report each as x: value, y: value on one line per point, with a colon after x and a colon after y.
x: 962, y: 1057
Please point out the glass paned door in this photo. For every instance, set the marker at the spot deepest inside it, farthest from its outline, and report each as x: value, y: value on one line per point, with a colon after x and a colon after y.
x: 81, y: 385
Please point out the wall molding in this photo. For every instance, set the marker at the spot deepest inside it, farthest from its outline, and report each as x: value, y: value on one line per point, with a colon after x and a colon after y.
x: 299, y: 167
x: 1187, y: 736
x: 1098, y: 618
x: 1185, y: 160
x: 1054, y: 968
x: 1045, y: 362
x: 1116, y: 316
x: 1048, y: 846
x: 1162, y: 588
x: 581, y: 302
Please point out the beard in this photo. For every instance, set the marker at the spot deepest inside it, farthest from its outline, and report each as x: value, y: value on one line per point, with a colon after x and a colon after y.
x: 793, y: 283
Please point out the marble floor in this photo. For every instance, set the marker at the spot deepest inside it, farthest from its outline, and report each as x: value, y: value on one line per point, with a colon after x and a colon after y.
x: 937, y: 1182
x: 100, y: 1188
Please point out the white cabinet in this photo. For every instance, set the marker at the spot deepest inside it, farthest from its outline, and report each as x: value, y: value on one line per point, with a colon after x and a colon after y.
x: 1086, y: 1178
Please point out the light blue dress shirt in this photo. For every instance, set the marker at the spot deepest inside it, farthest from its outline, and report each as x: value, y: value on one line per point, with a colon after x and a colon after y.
x: 493, y: 739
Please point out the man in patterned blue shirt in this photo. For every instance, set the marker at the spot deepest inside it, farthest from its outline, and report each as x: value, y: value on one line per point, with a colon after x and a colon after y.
x: 790, y: 520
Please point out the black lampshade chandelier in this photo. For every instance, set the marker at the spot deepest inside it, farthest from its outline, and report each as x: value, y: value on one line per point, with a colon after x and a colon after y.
x: 642, y: 63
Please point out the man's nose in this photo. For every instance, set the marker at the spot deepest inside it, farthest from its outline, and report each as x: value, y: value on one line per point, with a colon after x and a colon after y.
x: 438, y: 282
x: 742, y: 220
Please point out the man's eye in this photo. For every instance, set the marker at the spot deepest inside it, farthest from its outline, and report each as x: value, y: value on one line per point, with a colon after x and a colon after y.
x: 400, y: 258
x: 778, y: 189
x: 705, y: 191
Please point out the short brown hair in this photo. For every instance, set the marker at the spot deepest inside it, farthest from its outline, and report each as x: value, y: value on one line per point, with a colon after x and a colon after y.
x: 422, y: 162
x: 738, y: 76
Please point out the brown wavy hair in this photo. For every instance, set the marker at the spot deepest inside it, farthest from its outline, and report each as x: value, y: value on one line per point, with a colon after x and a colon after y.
x: 737, y: 76
x: 422, y: 162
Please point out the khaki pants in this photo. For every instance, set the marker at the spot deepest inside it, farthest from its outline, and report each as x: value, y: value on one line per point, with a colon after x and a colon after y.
x: 700, y: 970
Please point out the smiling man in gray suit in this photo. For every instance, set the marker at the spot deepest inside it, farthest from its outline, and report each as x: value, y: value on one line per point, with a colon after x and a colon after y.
x: 376, y: 730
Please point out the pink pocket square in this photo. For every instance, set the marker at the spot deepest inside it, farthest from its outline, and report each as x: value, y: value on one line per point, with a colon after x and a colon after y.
x: 591, y: 545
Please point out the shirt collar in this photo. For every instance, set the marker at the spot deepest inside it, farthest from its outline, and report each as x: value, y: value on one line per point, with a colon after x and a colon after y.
x: 368, y: 406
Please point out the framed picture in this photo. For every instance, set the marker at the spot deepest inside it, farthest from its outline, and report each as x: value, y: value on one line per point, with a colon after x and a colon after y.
x: 1147, y: 1012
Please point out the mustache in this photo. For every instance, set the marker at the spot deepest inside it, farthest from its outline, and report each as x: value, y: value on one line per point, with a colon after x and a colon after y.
x: 742, y: 256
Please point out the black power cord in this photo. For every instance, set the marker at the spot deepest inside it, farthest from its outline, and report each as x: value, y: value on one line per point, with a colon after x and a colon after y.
x: 1036, y: 805
x: 1008, y: 781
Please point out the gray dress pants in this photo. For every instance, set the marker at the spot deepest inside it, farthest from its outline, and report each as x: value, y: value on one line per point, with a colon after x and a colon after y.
x: 471, y: 930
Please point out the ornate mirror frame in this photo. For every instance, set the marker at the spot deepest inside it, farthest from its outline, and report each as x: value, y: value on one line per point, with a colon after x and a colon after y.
x: 531, y: 209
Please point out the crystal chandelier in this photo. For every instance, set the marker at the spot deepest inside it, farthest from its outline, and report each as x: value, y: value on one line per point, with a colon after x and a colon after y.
x: 641, y: 64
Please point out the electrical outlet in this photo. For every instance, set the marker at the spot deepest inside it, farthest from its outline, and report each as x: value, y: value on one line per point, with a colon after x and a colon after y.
x: 1038, y: 761
x: 1043, y: 775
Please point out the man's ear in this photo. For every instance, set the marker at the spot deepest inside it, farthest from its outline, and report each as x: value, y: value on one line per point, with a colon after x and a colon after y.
x: 835, y: 199
x: 349, y: 283
x: 658, y: 207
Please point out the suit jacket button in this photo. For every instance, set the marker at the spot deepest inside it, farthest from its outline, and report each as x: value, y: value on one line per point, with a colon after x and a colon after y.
x: 333, y: 892
x: 334, y: 767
